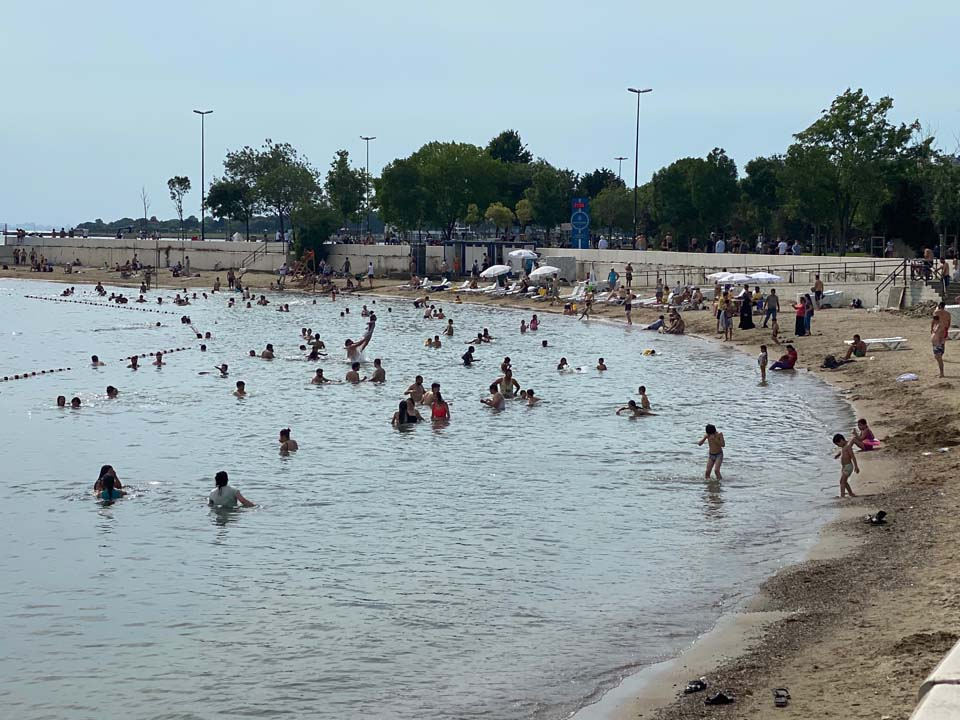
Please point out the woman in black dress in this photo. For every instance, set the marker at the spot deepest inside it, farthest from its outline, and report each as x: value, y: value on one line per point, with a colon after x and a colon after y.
x: 746, y: 311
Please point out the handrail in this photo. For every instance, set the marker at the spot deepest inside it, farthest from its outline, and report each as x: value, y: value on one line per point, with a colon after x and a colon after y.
x: 892, y: 278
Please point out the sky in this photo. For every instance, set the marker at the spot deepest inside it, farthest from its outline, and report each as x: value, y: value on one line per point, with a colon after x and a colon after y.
x: 98, y: 96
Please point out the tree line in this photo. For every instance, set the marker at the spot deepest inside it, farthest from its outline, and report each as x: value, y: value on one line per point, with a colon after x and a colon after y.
x: 852, y: 173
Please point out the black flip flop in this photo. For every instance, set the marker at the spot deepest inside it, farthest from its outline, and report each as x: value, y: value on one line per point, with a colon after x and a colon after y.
x: 695, y: 686
x: 878, y: 518
x: 781, y: 696
x: 720, y: 698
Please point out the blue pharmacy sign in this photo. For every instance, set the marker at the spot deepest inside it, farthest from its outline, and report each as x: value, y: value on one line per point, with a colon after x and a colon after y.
x: 580, y: 223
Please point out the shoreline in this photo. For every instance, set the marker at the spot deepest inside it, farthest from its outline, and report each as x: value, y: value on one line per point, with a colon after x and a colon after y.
x: 852, y: 629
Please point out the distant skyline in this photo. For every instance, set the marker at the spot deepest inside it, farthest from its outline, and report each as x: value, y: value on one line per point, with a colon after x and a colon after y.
x: 99, y: 96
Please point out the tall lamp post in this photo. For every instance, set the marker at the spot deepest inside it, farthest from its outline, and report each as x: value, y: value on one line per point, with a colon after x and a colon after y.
x: 366, y: 179
x: 620, y: 166
x: 203, y: 114
x: 636, y: 153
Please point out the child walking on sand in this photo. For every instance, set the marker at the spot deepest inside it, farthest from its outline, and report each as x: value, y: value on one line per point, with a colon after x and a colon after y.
x: 848, y: 463
x: 762, y: 362
x: 715, y: 445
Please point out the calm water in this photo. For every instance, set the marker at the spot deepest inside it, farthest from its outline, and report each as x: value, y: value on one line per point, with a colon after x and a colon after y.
x: 506, y: 566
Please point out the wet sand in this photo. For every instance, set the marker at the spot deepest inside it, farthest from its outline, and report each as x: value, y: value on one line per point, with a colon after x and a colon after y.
x: 873, y: 609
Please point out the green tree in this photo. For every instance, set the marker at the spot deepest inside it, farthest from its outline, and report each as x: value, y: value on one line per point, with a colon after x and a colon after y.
x: 594, y: 182
x: 179, y: 186
x: 345, y: 187
x: 946, y: 194
x: 451, y: 176
x: 280, y: 177
x: 761, y: 191
x: 860, y: 145
x: 400, y: 196
x: 613, y: 208
x: 549, y: 194
x: 808, y: 188
x: 232, y: 200
x: 500, y: 215
x: 696, y: 195
x: 524, y: 213
x: 315, y: 222
x: 509, y: 148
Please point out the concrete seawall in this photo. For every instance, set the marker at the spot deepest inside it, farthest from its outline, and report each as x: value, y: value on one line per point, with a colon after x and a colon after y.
x: 207, y: 255
x: 939, y: 696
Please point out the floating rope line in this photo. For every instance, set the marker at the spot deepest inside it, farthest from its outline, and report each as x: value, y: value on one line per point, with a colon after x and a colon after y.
x: 154, y: 353
x: 36, y: 373
x: 95, y: 304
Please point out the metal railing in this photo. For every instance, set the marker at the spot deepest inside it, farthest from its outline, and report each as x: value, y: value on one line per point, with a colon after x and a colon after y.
x: 891, y: 279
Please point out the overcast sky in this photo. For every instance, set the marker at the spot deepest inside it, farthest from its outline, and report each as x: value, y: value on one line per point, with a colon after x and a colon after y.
x: 98, y: 95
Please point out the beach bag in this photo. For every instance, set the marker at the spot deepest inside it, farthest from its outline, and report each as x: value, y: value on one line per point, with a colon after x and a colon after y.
x: 830, y: 362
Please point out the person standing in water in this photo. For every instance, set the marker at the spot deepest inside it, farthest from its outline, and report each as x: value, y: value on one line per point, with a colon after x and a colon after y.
x: 439, y: 410
x: 416, y: 390
x: 287, y: 443
x: 762, y: 363
x: 715, y: 444
x: 225, y: 495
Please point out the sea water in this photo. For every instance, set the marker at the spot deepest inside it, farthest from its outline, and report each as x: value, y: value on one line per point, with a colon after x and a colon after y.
x: 507, y: 565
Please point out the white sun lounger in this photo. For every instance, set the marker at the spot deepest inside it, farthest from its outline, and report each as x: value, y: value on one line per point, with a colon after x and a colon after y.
x: 487, y: 289
x: 892, y: 343
x: 953, y: 333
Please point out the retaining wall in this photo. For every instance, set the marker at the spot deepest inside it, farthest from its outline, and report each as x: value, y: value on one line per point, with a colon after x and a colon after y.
x: 939, y: 695
x: 206, y: 255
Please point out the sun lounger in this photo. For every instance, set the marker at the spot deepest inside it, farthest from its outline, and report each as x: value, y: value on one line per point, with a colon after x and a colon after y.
x: 892, y: 343
x: 487, y: 289
x: 953, y: 333
x: 441, y: 286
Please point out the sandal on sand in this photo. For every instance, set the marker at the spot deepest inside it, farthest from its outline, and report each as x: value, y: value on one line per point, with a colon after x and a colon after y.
x: 695, y: 686
x: 781, y: 696
x: 720, y: 698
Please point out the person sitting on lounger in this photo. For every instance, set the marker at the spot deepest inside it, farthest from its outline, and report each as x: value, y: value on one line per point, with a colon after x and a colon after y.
x: 858, y: 348
x: 786, y: 362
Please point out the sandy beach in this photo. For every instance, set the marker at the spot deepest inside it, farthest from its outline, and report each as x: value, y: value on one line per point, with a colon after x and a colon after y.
x: 873, y: 610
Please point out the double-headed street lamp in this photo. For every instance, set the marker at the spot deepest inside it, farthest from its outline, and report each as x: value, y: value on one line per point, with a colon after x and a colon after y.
x: 366, y: 183
x: 202, y: 114
x: 620, y: 165
x: 636, y: 153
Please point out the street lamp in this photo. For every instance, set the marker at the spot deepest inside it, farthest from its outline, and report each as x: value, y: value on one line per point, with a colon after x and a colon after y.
x: 366, y: 180
x: 202, y: 114
x: 620, y: 165
x: 636, y: 152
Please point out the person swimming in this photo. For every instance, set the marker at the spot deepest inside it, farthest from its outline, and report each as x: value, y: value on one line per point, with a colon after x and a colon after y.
x: 95, y: 361
x: 241, y: 390
x: 112, y: 392
x: 416, y: 390
x: 158, y: 362
x: 224, y: 495
x: 223, y: 369
x: 353, y: 374
x: 287, y: 443
x: 379, y: 374
x: 496, y: 399
x: 634, y: 410
x: 134, y: 362
x: 267, y: 353
x: 406, y: 413
x: 105, y: 471
x: 468, y: 357
x: 563, y: 364
x: 601, y: 366
x: 319, y: 379
x: 108, y: 491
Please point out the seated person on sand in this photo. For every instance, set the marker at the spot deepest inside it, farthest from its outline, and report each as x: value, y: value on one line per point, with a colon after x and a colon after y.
x: 858, y: 348
x: 676, y: 326
x: 863, y: 436
x: 659, y: 323
x: 786, y: 362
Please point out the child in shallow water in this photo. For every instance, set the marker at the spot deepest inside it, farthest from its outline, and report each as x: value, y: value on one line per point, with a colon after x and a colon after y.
x: 715, y: 445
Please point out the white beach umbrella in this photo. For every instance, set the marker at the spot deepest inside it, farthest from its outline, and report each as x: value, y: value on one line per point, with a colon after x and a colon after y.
x: 722, y: 275
x: 543, y: 270
x: 495, y: 271
x: 765, y: 277
x: 737, y: 278
x: 523, y: 254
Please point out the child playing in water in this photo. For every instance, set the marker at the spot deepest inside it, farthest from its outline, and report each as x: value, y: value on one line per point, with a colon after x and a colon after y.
x: 848, y: 463
x: 762, y: 362
x: 634, y: 409
x: 715, y: 443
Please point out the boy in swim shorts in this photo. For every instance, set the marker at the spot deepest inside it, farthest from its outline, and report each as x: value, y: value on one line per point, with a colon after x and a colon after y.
x: 848, y: 463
